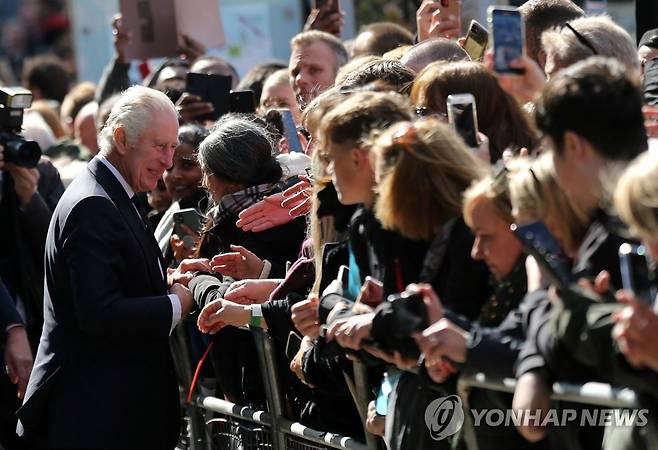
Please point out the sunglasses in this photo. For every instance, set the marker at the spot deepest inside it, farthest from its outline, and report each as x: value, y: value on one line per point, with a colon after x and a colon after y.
x: 582, y: 39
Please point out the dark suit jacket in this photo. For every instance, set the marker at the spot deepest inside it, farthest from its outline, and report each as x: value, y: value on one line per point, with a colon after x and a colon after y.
x: 103, y: 375
x: 8, y: 313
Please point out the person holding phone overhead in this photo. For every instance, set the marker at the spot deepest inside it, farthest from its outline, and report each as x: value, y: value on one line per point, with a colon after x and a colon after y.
x: 183, y: 181
x: 108, y: 314
x: 326, y: 16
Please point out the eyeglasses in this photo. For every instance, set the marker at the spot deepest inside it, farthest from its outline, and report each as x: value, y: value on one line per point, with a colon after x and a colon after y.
x: 500, y: 184
x: 500, y: 188
x: 582, y: 39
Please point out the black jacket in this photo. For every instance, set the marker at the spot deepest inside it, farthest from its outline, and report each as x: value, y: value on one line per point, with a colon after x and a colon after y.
x: 106, y: 327
x: 598, y: 251
x: 460, y: 282
x: 23, y: 233
x: 8, y: 313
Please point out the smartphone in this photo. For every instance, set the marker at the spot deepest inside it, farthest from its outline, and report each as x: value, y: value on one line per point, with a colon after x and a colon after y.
x: 374, y: 291
x: 538, y: 241
x: 290, y: 131
x: 331, y: 6
x: 476, y: 41
x: 242, y: 102
x: 506, y: 25
x: 386, y: 387
x: 462, y: 115
x: 343, y: 275
x: 190, y: 218
x: 636, y: 276
x: 293, y: 345
x: 214, y: 89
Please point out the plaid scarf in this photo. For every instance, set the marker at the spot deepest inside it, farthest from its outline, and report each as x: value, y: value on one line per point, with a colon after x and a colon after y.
x: 234, y: 203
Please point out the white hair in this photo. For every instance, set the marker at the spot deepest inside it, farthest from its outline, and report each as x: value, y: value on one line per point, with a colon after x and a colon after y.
x: 608, y: 38
x: 132, y: 112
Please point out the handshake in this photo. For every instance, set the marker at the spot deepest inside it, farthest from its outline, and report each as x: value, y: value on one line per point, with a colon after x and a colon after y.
x: 177, y: 280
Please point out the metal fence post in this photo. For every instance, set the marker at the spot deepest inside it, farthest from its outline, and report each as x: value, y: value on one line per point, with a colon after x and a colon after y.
x: 363, y: 398
x: 274, y: 397
x: 184, y: 367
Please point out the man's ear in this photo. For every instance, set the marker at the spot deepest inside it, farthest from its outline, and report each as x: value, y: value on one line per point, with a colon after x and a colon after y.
x: 579, y: 148
x: 361, y: 158
x: 541, y: 58
x: 120, y: 142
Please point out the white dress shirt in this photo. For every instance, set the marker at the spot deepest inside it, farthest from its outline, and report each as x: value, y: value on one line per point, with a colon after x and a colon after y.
x: 175, y: 301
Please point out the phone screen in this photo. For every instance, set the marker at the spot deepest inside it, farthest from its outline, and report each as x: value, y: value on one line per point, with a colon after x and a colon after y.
x: 242, y: 102
x: 210, y: 88
x: 636, y: 276
x: 188, y: 217
x: 476, y: 41
x: 293, y: 345
x: 290, y: 131
x: 540, y: 243
x: 463, y: 120
x: 474, y: 49
x: 507, y: 30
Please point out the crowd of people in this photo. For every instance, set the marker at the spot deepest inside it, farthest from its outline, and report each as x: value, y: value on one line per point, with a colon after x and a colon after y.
x: 388, y: 240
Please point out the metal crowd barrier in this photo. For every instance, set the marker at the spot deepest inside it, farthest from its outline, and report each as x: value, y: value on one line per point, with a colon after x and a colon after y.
x: 213, y: 423
x: 592, y: 393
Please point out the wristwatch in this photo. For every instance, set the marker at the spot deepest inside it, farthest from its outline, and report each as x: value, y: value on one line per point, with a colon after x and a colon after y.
x: 256, y: 316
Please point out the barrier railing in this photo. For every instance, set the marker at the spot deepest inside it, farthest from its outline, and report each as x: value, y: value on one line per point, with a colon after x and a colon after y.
x: 213, y: 423
x: 592, y: 393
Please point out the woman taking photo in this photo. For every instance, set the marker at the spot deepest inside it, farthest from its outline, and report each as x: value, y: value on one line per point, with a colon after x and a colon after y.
x: 500, y: 118
x: 422, y: 169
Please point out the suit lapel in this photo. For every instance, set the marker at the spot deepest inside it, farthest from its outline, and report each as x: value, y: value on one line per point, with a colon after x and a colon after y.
x: 127, y: 210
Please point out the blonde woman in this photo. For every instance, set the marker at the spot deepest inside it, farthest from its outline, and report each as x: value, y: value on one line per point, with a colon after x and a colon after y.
x: 536, y: 195
x: 422, y: 169
x: 636, y: 199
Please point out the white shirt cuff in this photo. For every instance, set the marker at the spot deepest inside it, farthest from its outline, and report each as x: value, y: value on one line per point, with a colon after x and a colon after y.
x: 176, y: 311
x: 13, y: 325
x: 267, y: 268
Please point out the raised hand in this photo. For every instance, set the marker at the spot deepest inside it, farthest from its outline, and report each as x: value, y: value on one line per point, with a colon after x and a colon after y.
x: 121, y: 38
x: 251, y: 291
x: 305, y: 316
x: 239, y: 264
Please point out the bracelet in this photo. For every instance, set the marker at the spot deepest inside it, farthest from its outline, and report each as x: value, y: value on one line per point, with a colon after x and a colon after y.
x: 256, y: 316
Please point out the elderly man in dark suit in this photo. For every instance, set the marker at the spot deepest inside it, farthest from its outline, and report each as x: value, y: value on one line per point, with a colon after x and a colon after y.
x: 103, y: 376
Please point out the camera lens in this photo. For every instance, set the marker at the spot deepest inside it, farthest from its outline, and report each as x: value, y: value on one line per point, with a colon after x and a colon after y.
x: 22, y: 153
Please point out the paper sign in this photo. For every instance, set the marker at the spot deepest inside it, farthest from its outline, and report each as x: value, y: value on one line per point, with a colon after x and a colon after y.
x: 157, y: 25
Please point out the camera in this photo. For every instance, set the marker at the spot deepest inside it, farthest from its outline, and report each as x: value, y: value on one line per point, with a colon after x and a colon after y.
x: 406, y: 316
x: 23, y: 153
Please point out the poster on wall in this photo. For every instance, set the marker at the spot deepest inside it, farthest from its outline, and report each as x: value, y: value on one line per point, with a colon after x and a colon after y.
x: 253, y: 30
x: 249, y: 38
x: 157, y: 27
